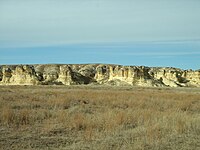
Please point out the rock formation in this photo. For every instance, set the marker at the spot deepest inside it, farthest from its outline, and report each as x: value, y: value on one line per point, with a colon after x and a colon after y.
x: 98, y: 74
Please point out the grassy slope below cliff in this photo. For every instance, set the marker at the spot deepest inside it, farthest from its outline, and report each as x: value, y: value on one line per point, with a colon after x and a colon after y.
x: 99, y: 117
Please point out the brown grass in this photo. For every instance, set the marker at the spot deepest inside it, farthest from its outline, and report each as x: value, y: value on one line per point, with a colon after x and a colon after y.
x: 84, y: 117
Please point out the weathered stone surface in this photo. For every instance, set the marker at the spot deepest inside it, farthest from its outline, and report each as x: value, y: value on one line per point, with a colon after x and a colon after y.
x: 19, y: 75
x: 64, y: 75
x: 98, y: 74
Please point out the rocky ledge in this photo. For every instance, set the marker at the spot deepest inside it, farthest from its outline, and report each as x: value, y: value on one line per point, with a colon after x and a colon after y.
x: 54, y: 74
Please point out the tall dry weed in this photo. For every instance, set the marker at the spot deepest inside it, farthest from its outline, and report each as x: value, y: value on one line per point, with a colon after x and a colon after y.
x: 7, y: 115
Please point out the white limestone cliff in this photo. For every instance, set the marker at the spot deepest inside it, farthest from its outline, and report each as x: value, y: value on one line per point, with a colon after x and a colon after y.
x: 98, y: 74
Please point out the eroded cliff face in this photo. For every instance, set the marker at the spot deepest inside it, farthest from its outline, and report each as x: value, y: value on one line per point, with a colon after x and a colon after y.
x: 97, y: 74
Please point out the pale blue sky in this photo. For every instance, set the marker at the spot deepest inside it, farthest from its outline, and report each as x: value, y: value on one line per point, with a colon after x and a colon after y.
x: 128, y: 32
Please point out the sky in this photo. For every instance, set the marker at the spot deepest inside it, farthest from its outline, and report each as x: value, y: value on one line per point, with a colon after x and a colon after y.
x: 127, y: 32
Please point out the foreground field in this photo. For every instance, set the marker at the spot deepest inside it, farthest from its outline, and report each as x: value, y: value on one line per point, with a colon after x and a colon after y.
x: 85, y: 117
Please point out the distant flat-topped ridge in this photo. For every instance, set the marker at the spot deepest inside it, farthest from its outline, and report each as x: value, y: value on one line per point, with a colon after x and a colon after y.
x: 106, y: 74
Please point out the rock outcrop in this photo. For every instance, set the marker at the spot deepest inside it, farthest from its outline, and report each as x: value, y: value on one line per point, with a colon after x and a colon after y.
x: 98, y: 74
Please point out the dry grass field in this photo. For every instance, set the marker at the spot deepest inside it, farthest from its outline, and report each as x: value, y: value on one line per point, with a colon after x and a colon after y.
x: 99, y: 118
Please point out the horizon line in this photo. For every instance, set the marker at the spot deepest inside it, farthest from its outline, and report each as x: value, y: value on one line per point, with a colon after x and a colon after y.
x: 125, y: 65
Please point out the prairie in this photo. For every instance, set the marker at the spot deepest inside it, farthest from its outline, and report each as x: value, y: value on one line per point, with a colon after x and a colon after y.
x: 99, y: 117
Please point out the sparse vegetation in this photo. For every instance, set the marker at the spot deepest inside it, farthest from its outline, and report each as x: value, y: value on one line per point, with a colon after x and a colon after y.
x: 95, y: 117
